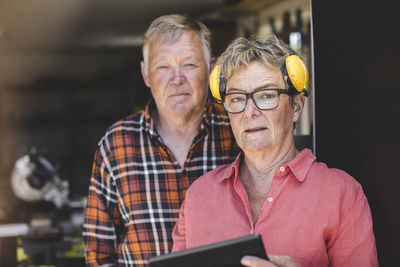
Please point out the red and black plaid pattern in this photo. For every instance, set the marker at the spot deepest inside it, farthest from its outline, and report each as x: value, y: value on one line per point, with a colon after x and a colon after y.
x: 137, y: 186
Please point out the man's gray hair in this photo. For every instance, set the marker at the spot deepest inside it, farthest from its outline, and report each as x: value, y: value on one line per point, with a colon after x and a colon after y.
x: 241, y: 52
x: 170, y: 28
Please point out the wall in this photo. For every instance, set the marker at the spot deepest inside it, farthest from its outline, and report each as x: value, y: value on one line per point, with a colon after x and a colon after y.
x: 357, y: 63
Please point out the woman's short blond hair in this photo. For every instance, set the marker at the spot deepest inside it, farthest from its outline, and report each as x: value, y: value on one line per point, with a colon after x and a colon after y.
x: 241, y: 52
x: 170, y: 28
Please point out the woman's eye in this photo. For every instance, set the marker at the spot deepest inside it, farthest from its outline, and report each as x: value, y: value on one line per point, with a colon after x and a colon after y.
x: 237, y: 99
x: 267, y: 96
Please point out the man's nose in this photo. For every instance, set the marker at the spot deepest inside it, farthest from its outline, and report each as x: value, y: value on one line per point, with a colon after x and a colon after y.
x: 177, y: 76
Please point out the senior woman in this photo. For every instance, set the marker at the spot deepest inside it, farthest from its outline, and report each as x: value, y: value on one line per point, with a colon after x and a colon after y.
x: 311, y: 214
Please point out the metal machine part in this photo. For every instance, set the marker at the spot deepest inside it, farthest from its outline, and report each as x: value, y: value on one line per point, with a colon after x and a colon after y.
x: 34, y: 178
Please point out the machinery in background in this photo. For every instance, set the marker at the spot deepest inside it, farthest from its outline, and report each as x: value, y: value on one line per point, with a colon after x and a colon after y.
x: 53, y: 237
x: 35, y: 178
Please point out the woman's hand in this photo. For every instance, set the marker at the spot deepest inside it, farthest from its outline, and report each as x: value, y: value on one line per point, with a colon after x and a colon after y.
x: 275, y: 261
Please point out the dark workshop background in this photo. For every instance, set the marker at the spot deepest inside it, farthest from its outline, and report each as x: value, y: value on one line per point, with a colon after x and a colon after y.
x: 357, y: 69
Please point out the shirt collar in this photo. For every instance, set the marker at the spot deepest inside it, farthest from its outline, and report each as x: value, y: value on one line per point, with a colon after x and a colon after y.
x: 299, y: 166
x: 150, y: 125
x: 205, y: 121
x: 233, y: 169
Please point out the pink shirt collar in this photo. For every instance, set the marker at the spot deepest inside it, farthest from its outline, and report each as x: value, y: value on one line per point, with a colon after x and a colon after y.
x: 299, y: 166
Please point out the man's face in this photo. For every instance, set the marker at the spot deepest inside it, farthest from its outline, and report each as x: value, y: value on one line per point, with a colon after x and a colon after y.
x: 256, y: 129
x: 177, y: 75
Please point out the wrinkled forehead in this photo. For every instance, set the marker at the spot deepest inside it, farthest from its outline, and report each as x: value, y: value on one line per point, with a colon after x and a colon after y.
x: 241, y: 65
x: 256, y: 75
x: 254, y: 68
x: 187, y: 41
x: 187, y: 48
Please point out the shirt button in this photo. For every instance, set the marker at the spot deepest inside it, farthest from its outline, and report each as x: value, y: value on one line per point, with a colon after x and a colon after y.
x: 270, y: 199
x: 282, y: 169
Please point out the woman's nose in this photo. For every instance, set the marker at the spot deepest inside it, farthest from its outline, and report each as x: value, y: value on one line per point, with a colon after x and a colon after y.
x: 251, y: 109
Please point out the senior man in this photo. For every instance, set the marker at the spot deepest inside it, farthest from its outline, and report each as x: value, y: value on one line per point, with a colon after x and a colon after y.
x: 145, y: 162
x: 314, y: 215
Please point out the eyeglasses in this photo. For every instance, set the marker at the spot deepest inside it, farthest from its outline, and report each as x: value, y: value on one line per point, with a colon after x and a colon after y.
x: 263, y: 99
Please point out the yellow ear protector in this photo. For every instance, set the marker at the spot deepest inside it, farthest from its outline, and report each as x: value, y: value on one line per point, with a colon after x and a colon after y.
x: 217, y: 84
x: 297, y: 73
x: 294, y: 69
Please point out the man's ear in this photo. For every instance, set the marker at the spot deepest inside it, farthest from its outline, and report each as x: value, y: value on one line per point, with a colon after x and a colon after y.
x: 144, y: 74
x: 213, y: 61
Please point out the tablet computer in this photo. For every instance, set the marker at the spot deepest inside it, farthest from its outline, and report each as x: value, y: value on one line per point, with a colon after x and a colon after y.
x: 222, y: 254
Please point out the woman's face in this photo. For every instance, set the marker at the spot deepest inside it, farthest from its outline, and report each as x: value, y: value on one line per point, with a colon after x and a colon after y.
x: 256, y: 129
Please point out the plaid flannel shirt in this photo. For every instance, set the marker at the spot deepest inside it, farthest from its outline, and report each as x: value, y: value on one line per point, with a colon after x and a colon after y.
x: 137, y: 186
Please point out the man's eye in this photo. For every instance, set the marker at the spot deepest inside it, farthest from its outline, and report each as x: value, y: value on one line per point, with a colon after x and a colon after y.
x: 162, y: 67
x: 190, y: 65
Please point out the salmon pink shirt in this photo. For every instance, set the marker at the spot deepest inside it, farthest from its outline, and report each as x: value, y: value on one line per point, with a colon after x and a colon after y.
x: 317, y: 215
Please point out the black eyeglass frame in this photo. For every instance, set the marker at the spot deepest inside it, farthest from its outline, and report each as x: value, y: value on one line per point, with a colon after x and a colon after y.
x: 250, y: 95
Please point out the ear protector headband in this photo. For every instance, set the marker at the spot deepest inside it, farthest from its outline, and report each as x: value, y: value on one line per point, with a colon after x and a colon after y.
x: 294, y: 69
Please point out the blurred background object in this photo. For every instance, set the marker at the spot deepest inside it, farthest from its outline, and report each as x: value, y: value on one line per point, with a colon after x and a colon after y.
x: 35, y: 178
